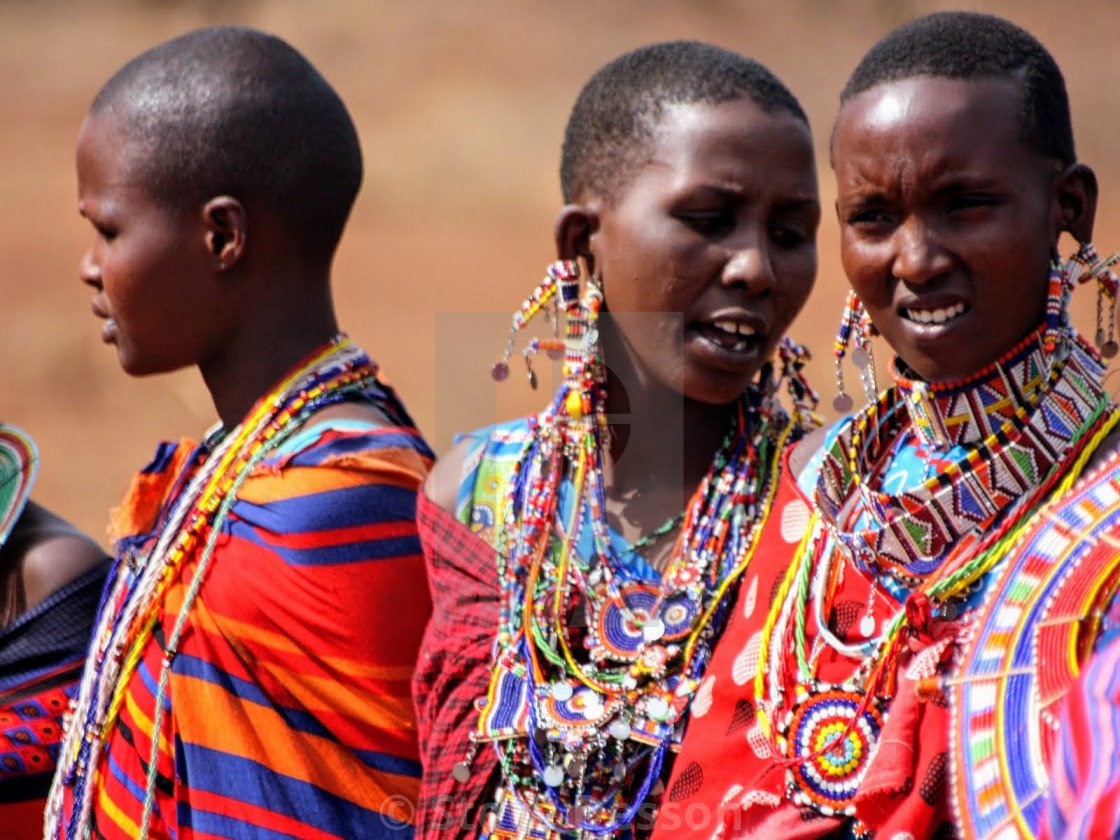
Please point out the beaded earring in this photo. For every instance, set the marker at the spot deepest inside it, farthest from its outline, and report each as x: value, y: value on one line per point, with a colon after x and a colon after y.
x: 792, y: 358
x: 583, y: 374
x: 1083, y: 266
x: 855, y: 320
x: 1087, y: 265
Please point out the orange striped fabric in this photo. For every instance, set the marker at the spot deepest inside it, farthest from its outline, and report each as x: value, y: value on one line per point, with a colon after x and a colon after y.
x: 289, y: 713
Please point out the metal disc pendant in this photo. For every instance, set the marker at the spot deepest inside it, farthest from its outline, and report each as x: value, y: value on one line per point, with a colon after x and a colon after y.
x: 575, y: 815
x: 593, y: 707
x: 533, y: 379
x: 574, y: 767
x: 653, y: 630
x: 499, y: 372
x: 620, y: 730
x: 867, y: 626
x: 553, y: 776
x: 561, y: 691
x: 843, y: 403
x: 657, y: 708
x: 860, y: 358
x: 1109, y: 349
x: 461, y: 772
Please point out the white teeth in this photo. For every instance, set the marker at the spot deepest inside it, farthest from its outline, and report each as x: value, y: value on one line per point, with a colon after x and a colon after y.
x: 935, y: 316
x: 733, y: 328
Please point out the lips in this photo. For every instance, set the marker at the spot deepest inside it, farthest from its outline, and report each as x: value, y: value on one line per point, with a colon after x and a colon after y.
x: 732, y: 336
x: 927, y: 315
x: 729, y: 335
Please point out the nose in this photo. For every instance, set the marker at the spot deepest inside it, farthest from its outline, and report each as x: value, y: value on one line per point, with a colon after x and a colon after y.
x: 89, y: 271
x: 919, y: 256
x: 749, y: 265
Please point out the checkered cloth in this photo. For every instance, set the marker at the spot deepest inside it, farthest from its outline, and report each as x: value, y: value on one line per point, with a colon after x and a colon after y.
x: 453, y: 672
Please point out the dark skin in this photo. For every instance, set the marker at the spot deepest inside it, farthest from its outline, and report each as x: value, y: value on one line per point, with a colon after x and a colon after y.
x: 705, y: 256
x: 217, y: 283
x: 48, y: 553
x: 949, y: 221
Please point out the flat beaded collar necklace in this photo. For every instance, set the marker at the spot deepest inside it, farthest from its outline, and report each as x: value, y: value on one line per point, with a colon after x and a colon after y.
x: 581, y: 737
x: 1014, y: 419
x: 130, y: 611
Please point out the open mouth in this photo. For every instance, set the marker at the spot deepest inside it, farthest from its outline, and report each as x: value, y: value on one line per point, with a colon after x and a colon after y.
x: 729, y: 335
x: 940, y: 315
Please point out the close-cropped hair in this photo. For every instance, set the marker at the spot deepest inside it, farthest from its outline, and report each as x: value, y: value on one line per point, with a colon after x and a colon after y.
x: 971, y: 46
x: 235, y: 111
x: 613, y: 121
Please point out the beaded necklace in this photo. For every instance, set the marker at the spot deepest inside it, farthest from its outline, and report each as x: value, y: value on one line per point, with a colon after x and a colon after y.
x: 595, y: 666
x: 827, y: 733
x: 910, y: 533
x: 140, y: 582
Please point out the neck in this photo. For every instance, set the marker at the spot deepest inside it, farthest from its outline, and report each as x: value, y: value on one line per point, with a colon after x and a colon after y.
x: 267, y: 345
x: 661, y: 444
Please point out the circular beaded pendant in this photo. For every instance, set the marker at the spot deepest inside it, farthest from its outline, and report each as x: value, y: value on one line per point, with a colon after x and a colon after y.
x: 832, y: 742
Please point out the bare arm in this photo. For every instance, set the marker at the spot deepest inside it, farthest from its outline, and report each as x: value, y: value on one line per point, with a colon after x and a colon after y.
x: 51, y: 552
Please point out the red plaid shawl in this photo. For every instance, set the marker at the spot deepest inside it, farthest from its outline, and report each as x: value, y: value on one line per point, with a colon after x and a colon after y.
x: 453, y: 672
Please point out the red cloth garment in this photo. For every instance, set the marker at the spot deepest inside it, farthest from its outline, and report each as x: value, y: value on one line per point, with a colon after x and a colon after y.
x: 288, y: 709
x: 727, y: 784
x: 453, y: 671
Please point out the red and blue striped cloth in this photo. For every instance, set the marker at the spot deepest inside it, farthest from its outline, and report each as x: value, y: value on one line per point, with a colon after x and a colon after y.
x: 289, y: 713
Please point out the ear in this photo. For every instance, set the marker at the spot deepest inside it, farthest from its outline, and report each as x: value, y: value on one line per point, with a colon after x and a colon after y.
x: 1076, y: 192
x: 226, y: 231
x: 573, y: 230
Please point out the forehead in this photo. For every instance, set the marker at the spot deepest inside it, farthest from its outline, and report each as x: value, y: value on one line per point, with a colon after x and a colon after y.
x: 108, y: 155
x: 927, y: 121
x: 733, y: 141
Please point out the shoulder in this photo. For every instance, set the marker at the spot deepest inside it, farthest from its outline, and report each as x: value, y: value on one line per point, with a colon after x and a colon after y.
x: 802, y: 452
x: 51, y: 551
x: 458, y: 465
x: 442, y: 485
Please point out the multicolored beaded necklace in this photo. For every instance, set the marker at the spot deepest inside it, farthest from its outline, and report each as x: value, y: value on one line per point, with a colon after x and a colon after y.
x: 1013, y: 435
x: 595, y: 666
x: 131, y: 610
x: 1051, y: 418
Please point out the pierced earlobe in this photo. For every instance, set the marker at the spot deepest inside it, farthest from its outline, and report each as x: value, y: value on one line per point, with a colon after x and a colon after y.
x: 225, y: 220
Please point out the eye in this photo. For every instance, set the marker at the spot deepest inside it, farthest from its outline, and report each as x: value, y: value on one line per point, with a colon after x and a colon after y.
x: 711, y: 223
x: 870, y: 220
x: 971, y: 201
x: 106, y: 232
x: 789, y: 236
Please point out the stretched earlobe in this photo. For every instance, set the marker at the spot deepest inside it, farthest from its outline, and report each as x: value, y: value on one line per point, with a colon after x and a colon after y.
x: 226, y: 231
x: 1077, y: 197
x: 573, y: 229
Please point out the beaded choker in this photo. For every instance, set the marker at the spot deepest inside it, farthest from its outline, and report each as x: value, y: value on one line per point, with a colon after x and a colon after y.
x: 144, y: 575
x: 1014, y: 421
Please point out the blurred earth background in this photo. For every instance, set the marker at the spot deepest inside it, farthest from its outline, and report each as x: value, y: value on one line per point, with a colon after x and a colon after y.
x: 460, y: 107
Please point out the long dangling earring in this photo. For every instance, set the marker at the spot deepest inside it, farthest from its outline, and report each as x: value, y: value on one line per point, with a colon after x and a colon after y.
x: 584, y: 376
x: 1087, y: 265
x: 793, y: 357
x: 855, y: 321
x: 558, y: 274
x: 1057, y: 295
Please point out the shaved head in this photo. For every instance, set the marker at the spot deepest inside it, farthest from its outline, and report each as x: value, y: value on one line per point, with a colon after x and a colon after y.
x: 234, y: 111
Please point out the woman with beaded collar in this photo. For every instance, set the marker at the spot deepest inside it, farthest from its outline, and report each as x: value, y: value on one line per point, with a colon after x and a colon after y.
x: 570, y: 626
x: 956, y: 565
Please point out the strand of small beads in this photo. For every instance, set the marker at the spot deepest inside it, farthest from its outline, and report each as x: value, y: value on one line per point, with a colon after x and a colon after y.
x: 131, y: 610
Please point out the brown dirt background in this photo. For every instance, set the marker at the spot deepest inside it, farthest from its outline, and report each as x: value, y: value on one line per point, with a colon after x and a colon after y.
x: 460, y: 106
